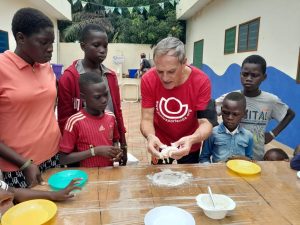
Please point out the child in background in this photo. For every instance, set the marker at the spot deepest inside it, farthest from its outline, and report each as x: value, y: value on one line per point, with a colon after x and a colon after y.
x: 276, y: 154
x: 295, y: 161
x: 144, y: 65
x: 91, y: 135
x: 229, y: 140
x: 10, y: 195
x: 261, y: 106
x: 94, y: 43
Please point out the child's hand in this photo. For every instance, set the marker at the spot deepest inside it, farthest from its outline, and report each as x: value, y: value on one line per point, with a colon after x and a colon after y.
x: 111, y: 152
x: 268, y: 137
x: 123, y: 160
x: 6, y: 201
x: 65, y: 194
x: 239, y: 157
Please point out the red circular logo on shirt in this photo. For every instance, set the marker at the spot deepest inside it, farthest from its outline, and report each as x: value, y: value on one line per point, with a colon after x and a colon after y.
x: 172, y: 108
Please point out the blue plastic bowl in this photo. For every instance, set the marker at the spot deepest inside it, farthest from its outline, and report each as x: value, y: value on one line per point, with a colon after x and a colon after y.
x: 61, y: 180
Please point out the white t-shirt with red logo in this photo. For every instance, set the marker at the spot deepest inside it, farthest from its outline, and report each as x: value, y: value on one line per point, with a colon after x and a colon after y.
x: 175, y: 110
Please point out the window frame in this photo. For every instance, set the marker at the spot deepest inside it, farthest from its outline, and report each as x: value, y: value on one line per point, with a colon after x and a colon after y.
x: 298, y: 70
x: 195, y: 43
x: 248, y: 22
x: 228, y: 53
x: 7, y: 35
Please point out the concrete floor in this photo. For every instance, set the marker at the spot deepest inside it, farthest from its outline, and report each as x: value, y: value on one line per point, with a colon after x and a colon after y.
x: 135, y: 140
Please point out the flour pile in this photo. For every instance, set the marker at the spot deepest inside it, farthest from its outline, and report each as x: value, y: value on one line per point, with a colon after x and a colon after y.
x: 170, y: 178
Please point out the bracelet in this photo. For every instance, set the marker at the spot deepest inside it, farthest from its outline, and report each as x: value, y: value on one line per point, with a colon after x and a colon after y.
x: 124, y: 146
x: 272, y: 134
x: 3, y: 185
x: 26, y: 164
x: 92, y: 149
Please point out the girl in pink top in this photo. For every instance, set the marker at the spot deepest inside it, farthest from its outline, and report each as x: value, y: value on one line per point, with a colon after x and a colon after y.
x: 29, y: 133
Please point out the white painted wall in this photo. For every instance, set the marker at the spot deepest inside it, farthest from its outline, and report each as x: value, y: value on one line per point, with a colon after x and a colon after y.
x: 9, y: 7
x: 279, y: 33
x: 69, y: 52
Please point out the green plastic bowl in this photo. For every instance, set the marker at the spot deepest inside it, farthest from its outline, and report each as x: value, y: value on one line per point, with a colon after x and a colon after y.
x: 61, y: 180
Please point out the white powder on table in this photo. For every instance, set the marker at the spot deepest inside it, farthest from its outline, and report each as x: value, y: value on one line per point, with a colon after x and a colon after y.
x: 170, y: 178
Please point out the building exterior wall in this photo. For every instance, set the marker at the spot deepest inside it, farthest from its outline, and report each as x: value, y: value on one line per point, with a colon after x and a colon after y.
x: 9, y: 8
x: 279, y: 32
x: 278, y: 43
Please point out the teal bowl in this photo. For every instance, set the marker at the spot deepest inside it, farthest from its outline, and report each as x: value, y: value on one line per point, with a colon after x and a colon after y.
x: 61, y: 180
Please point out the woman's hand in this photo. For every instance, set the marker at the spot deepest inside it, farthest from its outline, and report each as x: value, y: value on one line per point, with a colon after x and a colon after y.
x: 32, y: 175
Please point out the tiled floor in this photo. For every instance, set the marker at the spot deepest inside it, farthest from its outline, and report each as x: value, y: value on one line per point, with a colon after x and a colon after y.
x: 135, y: 140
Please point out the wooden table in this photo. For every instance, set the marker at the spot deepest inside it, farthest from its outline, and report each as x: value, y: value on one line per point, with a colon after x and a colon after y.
x: 123, y: 195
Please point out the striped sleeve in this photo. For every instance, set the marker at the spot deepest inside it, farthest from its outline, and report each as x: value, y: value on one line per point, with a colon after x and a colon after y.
x: 70, y: 134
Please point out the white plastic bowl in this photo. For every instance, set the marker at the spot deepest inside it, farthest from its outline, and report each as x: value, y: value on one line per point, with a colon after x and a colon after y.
x: 168, y: 215
x: 224, y: 204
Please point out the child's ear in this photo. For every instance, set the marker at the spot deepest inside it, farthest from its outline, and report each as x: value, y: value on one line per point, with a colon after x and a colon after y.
x: 82, y: 96
x: 82, y: 45
x: 265, y: 76
x: 20, y: 37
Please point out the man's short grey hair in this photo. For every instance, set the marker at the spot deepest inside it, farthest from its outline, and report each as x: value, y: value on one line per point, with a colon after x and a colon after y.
x: 170, y: 46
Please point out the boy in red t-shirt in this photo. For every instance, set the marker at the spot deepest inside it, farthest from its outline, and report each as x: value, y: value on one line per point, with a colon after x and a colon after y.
x: 91, y: 135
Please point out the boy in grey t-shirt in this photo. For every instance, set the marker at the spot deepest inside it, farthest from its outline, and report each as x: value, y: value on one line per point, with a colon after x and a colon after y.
x: 261, y: 106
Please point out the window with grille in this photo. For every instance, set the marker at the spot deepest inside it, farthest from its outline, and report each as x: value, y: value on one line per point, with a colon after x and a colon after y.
x: 229, y: 44
x: 248, y: 36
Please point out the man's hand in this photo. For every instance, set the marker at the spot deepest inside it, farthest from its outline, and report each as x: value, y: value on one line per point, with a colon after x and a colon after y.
x: 111, y: 152
x: 153, y: 145
x: 65, y: 194
x: 32, y: 175
x: 184, y: 145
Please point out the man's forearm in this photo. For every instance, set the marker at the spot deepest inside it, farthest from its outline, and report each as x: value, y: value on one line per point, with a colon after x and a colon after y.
x: 203, y: 132
x: 147, y: 128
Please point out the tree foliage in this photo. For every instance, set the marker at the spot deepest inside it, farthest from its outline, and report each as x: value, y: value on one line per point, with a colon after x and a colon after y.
x: 143, y: 28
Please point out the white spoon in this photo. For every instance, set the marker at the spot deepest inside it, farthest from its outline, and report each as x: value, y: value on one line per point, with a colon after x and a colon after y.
x: 211, y: 196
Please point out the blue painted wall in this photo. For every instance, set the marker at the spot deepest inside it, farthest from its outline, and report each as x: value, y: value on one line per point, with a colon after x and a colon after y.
x: 277, y: 83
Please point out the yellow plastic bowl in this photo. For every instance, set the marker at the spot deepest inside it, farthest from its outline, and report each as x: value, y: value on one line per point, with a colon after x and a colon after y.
x: 32, y: 212
x: 243, y: 167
